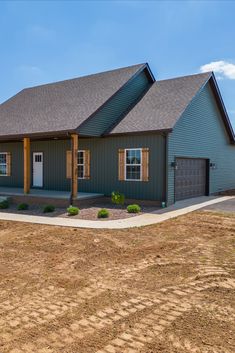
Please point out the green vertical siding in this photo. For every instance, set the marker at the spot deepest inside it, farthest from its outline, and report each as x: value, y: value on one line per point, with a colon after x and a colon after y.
x: 54, y: 163
x: 118, y: 105
x: 201, y: 133
x: 104, y: 165
x: 17, y: 177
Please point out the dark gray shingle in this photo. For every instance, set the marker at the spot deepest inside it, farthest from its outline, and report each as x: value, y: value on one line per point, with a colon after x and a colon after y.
x: 60, y: 106
x: 162, y: 105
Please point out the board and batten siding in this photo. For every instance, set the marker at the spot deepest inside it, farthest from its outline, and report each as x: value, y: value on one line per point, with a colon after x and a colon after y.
x: 200, y: 133
x: 117, y: 106
x: 16, y: 179
x: 104, y: 166
x: 54, y: 163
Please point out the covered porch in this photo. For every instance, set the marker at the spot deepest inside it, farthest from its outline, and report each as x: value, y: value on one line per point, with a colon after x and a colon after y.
x: 43, y: 197
x: 21, y: 172
x: 53, y: 194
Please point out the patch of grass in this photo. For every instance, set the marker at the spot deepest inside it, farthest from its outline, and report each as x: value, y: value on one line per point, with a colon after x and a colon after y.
x: 48, y: 208
x: 73, y: 211
x: 103, y: 213
x: 22, y: 207
x: 4, y: 204
x: 133, y: 208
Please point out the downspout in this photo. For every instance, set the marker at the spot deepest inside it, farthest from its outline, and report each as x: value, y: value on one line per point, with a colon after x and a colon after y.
x: 72, y: 173
x: 166, y: 169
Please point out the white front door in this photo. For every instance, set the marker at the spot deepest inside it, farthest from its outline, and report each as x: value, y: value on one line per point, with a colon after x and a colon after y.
x: 38, y: 169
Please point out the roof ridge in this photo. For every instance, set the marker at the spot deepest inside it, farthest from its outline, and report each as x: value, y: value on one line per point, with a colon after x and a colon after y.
x: 208, y: 73
x: 84, y: 76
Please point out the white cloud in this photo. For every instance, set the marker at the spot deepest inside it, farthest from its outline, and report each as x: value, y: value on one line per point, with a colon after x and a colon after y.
x: 224, y: 68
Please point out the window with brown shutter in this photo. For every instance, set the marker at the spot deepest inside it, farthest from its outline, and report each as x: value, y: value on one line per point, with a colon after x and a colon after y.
x: 83, y: 164
x: 8, y: 164
x: 134, y: 164
x: 68, y: 164
x: 121, y: 164
x: 5, y: 164
x: 145, y: 164
x: 87, y: 162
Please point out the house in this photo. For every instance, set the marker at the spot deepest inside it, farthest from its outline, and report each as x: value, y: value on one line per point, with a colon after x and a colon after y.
x: 119, y: 130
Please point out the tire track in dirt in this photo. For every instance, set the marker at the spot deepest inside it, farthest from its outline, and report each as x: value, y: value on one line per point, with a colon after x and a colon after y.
x: 169, y: 307
x: 40, y: 308
x: 149, y: 327
x: 185, y: 345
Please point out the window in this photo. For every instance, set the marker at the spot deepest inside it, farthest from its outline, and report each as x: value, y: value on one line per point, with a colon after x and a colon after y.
x: 81, y: 164
x: 3, y: 164
x: 133, y: 164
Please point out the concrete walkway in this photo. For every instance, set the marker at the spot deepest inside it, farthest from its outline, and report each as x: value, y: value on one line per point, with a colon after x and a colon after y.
x: 178, y: 209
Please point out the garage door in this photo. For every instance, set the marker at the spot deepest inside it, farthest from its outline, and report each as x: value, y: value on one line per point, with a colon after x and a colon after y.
x: 190, y: 178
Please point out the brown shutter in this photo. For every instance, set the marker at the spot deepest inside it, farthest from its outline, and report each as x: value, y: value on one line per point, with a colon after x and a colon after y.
x: 8, y: 159
x: 87, y: 164
x: 121, y: 164
x: 68, y: 164
x: 145, y: 164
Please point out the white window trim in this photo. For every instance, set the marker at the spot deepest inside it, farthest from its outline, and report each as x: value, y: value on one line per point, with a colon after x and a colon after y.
x: 82, y: 164
x: 130, y: 149
x: 4, y: 175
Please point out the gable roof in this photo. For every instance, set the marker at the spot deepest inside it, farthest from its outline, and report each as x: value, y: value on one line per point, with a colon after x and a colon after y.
x: 163, y: 104
x: 61, y: 106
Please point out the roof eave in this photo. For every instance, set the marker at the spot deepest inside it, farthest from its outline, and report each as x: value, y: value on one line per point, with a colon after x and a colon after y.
x: 38, y: 135
x: 222, y: 107
x: 157, y: 131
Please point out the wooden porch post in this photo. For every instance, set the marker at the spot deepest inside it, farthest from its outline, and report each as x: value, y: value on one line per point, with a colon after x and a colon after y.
x: 74, y: 179
x: 26, y: 165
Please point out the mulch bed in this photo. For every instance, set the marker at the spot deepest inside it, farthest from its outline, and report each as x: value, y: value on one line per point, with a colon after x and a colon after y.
x: 88, y: 212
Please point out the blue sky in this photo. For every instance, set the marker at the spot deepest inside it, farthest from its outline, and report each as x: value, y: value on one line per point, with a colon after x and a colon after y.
x: 49, y: 41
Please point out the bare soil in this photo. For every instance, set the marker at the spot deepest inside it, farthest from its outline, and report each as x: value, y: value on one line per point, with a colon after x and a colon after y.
x: 167, y: 288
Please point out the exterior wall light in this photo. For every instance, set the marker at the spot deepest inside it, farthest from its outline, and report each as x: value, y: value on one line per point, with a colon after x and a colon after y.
x: 174, y: 165
x: 212, y: 165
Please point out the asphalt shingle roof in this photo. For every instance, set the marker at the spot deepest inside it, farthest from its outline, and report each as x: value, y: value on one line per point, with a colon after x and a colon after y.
x: 162, y: 105
x: 60, y: 106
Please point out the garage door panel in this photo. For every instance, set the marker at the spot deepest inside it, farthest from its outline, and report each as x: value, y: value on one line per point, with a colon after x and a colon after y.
x: 190, y: 178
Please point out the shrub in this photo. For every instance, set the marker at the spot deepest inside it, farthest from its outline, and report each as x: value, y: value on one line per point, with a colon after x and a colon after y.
x: 118, y: 198
x: 72, y: 211
x: 133, y: 209
x: 103, y: 213
x: 49, y: 208
x: 4, y: 204
x: 22, y: 206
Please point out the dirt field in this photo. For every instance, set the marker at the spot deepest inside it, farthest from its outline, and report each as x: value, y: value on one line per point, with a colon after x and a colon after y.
x: 168, y: 288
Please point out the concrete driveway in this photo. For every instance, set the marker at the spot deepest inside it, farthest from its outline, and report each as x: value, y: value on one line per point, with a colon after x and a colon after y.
x: 225, y: 206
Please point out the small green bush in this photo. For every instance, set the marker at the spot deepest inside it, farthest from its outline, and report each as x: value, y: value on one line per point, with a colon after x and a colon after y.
x: 22, y: 207
x: 118, y: 198
x: 103, y: 213
x: 133, y: 209
x: 4, y: 204
x: 72, y: 211
x: 48, y: 208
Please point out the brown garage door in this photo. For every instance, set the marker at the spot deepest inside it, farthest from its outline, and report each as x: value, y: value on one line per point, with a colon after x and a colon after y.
x: 190, y: 178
